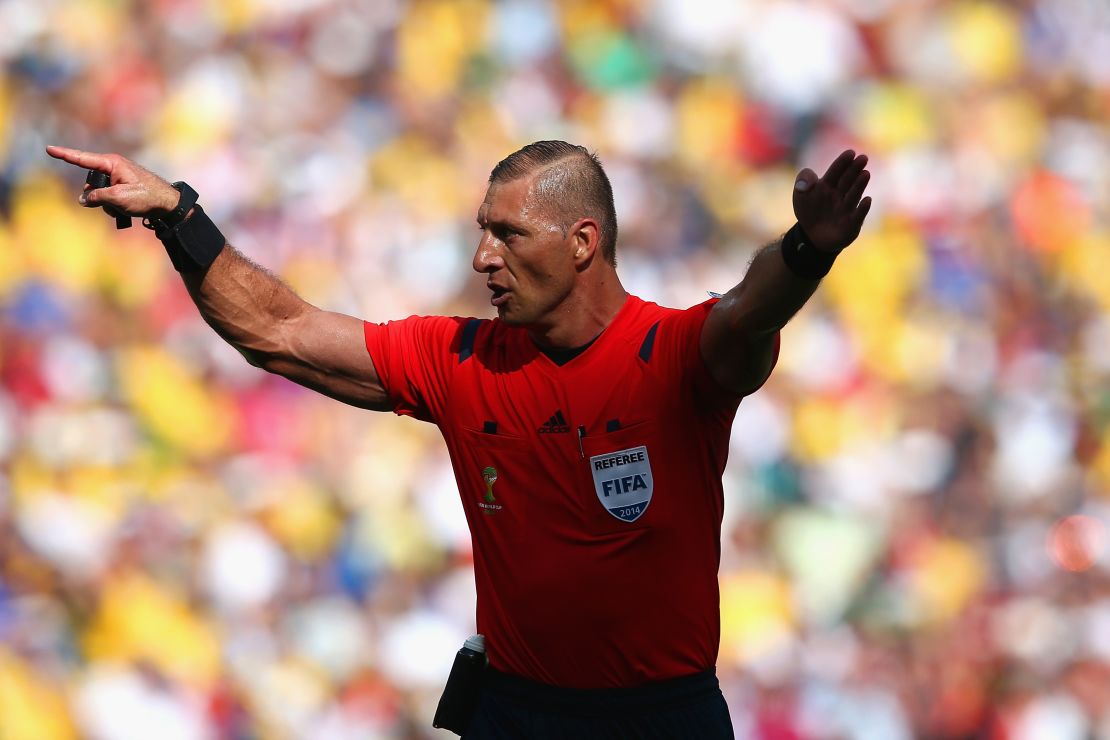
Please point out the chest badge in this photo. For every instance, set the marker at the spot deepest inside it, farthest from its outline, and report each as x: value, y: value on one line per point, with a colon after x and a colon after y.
x: 623, y: 483
x: 489, y: 503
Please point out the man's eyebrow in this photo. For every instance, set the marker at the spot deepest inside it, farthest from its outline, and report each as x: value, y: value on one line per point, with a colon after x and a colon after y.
x: 511, y: 226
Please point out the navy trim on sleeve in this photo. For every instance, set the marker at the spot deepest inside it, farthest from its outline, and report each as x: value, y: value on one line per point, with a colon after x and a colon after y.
x: 649, y: 343
x: 466, y: 345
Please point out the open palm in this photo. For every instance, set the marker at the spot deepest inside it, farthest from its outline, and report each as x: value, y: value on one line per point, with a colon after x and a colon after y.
x: 830, y: 208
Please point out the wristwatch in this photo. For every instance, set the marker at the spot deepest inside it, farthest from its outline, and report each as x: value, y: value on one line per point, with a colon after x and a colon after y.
x: 185, y: 203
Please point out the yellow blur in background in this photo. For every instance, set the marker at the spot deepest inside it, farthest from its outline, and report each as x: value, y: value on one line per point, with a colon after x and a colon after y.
x: 914, y: 535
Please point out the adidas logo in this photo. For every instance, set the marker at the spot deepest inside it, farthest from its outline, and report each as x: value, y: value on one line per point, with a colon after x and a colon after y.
x: 557, y: 424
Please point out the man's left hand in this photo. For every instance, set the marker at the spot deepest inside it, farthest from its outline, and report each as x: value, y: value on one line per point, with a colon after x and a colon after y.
x: 830, y: 208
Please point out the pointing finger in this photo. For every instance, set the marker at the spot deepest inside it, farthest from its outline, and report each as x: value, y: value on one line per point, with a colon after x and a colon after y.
x: 88, y: 160
x: 838, y: 167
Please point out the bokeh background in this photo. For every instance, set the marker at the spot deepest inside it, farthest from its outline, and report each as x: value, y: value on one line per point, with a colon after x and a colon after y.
x: 917, y: 510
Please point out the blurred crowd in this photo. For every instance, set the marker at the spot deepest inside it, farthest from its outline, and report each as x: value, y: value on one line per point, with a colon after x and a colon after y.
x: 915, y: 537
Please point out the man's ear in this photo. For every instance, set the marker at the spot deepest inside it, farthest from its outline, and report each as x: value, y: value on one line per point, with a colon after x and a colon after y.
x: 586, y: 238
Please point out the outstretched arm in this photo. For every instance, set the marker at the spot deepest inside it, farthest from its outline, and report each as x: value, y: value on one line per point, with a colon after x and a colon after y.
x: 252, y: 309
x: 737, y: 340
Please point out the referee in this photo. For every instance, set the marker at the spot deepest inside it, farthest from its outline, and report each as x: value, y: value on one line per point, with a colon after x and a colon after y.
x: 587, y: 428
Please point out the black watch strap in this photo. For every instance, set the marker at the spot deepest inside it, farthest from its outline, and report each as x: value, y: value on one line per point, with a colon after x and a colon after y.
x: 185, y: 203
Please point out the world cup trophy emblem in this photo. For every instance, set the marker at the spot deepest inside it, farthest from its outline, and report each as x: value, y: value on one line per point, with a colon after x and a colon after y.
x: 489, y: 475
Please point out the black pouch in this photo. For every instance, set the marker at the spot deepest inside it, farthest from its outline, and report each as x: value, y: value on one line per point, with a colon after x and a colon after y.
x: 464, y: 688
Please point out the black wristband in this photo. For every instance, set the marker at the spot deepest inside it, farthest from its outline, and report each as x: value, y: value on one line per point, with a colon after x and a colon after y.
x: 804, y: 259
x: 193, y: 244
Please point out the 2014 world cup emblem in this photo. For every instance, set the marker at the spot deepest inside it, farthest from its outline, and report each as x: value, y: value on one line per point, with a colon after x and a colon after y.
x: 489, y: 476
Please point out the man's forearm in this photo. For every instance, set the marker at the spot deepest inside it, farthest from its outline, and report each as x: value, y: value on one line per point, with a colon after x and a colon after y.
x: 768, y: 296
x: 252, y: 309
x: 739, y: 337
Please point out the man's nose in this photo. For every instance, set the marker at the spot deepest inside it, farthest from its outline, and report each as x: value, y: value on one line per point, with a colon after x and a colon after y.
x: 487, y: 258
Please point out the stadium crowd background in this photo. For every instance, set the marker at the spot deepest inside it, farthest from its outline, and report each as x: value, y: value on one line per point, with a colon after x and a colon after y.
x: 917, y: 503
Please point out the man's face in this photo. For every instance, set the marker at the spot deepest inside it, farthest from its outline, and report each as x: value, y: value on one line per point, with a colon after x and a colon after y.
x: 527, y: 259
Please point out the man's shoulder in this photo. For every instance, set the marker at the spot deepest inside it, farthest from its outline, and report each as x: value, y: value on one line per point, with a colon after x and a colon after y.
x: 470, y: 334
x: 457, y: 324
x: 494, y: 343
x: 651, y: 307
x: 650, y: 313
x: 454, y: 334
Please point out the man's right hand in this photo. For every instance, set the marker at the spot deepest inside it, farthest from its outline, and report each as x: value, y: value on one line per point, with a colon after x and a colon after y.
x: 133, y: 190
x: 254, y: 311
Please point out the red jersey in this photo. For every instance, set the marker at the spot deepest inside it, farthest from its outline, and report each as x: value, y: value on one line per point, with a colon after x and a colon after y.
x: 592, y: 489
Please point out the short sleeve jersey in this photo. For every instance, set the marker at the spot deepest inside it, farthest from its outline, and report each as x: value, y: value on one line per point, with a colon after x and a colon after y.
x: 592, y: 489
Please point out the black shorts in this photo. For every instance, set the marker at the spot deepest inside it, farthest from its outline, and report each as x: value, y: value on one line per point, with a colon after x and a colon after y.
x: 518, y: 709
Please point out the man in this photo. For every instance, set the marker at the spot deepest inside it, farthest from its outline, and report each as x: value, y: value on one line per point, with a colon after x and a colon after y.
x: 588, y: 429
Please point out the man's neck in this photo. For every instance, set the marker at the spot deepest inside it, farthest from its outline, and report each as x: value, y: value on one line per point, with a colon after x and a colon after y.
x: 580, y: 320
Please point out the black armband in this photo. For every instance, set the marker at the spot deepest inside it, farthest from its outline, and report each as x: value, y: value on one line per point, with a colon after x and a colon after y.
x: 804, y: 259
x: 192, y: 243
